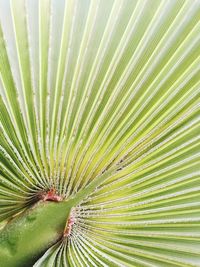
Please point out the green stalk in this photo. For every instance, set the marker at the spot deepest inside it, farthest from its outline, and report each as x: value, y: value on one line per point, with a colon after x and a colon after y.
x: 30, y: 234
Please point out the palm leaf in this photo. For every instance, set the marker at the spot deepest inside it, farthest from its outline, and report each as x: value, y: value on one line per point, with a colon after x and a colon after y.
x: 100, y: 101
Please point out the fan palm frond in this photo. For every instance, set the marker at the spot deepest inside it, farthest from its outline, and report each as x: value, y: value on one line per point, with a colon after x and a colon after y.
x: 100, y: 106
